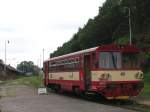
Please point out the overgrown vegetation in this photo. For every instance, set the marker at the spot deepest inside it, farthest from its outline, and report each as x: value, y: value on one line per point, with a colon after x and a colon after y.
x: 146, y: 91
x: 35, y: 81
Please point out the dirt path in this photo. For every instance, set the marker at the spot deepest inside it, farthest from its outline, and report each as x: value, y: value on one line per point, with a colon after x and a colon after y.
x: 25, y: 99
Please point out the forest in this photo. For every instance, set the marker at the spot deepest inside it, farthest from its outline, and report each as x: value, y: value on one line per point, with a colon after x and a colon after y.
x: 111, y: 25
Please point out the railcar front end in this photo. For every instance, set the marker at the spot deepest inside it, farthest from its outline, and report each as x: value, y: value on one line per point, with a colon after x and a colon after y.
x: 118, y: 75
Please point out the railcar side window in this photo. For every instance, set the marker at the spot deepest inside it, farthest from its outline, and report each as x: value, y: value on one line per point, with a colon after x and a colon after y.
x: 64, y: 65
x: 110, y: 60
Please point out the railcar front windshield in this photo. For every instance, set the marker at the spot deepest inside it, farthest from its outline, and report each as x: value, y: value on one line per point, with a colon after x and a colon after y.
x: 114, y: 60
x: 130, y: 60
x: 110, y: 60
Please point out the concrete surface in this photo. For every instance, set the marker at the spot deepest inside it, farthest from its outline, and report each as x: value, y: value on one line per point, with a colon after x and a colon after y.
x: 26, y: 99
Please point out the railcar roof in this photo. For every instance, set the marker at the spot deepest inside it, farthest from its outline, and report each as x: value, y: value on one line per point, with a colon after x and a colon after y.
x: 74, y: 53
x: 126, y: 48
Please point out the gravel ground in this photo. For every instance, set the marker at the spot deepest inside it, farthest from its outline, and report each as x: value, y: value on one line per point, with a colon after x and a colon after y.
x: 25, y: 99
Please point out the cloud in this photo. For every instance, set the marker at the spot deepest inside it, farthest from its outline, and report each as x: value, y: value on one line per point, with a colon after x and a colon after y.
x: 31, y: 25
x: 66, y: 25
x: 7, y: 28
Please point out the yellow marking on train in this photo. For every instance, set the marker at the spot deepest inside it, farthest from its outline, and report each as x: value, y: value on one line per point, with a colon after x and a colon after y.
x: 118, y: 98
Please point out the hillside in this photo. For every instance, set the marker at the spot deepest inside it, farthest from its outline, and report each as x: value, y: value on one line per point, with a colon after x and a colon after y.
x: 111, y: 25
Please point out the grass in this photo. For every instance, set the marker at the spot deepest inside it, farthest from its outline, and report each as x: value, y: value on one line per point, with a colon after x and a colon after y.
x: 146, y: 91
x: 35, y: 81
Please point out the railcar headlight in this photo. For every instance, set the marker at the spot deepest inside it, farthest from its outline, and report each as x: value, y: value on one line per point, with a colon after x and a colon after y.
x: 102, y: 76
x: 139, y: 75
x: 108, y: 76
x: 105, y: 76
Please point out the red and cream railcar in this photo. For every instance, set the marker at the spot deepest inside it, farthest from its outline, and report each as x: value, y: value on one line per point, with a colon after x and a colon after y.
x: 110, y: 70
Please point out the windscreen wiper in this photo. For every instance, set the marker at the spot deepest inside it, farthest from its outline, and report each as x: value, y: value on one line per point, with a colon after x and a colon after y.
x: 113, y: 59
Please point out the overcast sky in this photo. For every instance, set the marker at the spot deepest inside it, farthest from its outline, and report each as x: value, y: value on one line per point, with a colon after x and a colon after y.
x: 31, y: 25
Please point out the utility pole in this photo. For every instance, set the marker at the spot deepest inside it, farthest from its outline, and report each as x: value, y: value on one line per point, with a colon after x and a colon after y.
x: 5, y: 55
x: 43, y: 55
x: 130, y: 27
x: 40, y: 61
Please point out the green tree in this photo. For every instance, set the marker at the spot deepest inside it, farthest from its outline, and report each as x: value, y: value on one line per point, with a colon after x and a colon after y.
x: 28, y: 67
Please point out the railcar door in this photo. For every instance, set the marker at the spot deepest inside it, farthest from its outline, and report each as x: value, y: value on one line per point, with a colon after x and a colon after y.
x: 87, y: 71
